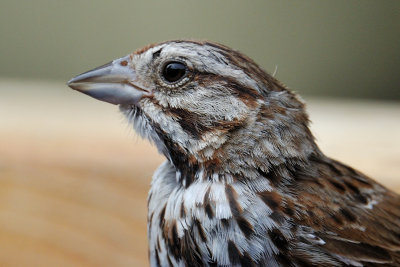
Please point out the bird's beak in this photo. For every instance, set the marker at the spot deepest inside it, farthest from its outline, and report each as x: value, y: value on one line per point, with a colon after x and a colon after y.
x: 115, y: 82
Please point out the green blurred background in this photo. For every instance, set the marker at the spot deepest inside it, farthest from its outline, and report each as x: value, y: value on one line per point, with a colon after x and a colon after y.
x: 324, y: 48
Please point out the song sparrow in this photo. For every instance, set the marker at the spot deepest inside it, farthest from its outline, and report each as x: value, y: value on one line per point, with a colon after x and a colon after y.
x: 245, y: 183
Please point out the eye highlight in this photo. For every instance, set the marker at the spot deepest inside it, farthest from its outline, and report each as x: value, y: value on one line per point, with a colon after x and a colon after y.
x: 174, y: 71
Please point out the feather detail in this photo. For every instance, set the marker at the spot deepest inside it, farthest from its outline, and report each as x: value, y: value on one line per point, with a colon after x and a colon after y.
x: 244, y: 183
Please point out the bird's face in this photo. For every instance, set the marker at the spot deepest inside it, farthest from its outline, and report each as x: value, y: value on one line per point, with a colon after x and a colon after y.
x: 189, y: 98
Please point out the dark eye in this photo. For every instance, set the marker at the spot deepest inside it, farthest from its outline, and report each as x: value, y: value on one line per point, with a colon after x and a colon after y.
x: 174, y: 71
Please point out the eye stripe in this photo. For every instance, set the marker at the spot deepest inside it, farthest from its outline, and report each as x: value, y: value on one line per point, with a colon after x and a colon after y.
x: 157, y: 54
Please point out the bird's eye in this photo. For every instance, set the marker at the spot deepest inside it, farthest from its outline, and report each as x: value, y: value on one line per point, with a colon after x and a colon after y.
x: 174, y: 71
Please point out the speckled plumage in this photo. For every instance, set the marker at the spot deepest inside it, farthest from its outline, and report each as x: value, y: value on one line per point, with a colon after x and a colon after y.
x: 244, y: 183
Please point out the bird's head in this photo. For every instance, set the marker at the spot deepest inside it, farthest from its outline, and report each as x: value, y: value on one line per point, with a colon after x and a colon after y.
x: 202, y: 103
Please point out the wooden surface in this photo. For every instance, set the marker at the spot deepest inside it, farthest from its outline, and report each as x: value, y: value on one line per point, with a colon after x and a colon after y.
x: 74, y: 177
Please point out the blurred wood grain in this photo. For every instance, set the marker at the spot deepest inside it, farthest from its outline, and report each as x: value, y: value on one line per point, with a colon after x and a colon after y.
x: 74, y: 177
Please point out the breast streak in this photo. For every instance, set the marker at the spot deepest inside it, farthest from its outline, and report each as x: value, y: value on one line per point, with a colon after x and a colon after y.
x: 207, y: 222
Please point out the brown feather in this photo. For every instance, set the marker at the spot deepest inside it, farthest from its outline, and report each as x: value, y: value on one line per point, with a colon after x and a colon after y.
x: 350, y: 227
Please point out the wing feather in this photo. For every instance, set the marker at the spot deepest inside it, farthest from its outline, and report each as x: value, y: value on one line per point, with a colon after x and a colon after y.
x: 357, y: 218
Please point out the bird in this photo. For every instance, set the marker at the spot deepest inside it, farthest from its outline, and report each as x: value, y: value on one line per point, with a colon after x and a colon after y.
x: 244, y: 182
